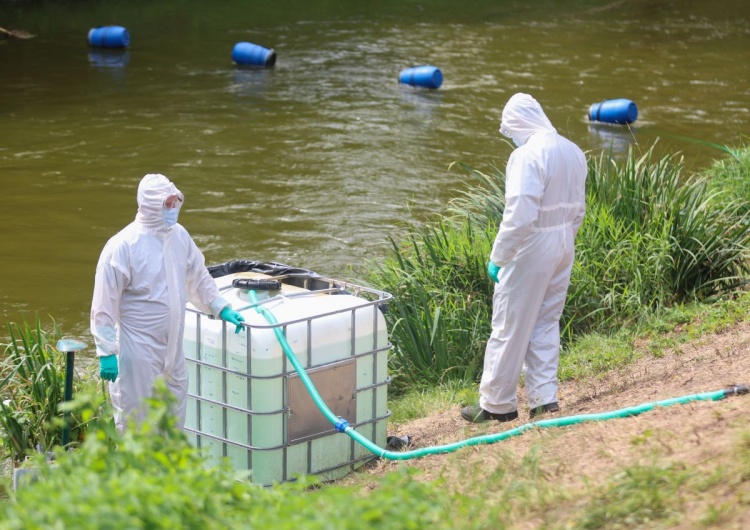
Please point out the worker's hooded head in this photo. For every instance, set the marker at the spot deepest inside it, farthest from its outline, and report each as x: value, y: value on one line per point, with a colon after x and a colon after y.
x: 522, y: 117
x: 157, y: 195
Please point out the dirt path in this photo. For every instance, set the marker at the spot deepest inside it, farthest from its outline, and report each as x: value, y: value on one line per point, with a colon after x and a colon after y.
x: 690, y: 433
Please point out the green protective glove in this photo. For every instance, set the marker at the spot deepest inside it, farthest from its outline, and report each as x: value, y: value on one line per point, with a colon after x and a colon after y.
x: 108, y: 368
x: 230, y: 315
x: 492, y: 270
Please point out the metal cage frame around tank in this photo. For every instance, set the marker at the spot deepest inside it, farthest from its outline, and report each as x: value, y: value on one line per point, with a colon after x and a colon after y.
x: 376, y: 299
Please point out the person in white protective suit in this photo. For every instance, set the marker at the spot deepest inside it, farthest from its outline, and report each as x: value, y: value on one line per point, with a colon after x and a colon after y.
x: 531, y: 262
x: 144, y: 277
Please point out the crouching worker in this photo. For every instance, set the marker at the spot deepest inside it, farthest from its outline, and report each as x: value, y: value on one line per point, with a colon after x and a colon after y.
x: 145, y: 275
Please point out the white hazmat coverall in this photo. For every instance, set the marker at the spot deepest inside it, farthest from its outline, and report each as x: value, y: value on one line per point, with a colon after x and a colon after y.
x: 144, y: 277
x: 544, y: 207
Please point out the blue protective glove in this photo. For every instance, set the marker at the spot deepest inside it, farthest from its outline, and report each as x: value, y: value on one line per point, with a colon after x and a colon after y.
x: 233, y: 317
x: 108, y: 368
x: 492, y: 270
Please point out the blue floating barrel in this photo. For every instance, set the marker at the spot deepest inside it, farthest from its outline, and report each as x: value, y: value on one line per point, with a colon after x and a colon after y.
x: 423, y: 76
x: 109, y: 37
x: 247, y: 53
x: 614, y: 111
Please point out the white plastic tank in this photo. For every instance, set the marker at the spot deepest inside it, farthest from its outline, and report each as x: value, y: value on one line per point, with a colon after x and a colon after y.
x: 246, y: 402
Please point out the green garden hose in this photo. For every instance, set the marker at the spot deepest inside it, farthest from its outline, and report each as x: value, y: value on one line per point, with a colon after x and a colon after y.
x: 342, y: 425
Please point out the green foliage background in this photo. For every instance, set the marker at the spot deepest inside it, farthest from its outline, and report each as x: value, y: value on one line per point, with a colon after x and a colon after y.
x: 151, y: 477
x: 653, y: 237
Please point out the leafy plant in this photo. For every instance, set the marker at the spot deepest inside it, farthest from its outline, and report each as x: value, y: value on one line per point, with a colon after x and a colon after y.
x: 692, y: 241
x: 151, y: 477
x: 731, y: 174
x: 32, y: 384
x: 652, y: 238
x: 440, y: 314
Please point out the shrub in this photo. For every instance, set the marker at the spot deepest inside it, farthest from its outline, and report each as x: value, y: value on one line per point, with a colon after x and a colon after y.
x: 440, y: 313
x: 151, y: 477
x: 732, y: 174
x: 32, y: 385
x: 652, y: 237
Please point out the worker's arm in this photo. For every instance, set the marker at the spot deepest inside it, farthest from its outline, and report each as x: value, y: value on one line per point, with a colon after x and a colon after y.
x: 524, y: 188
x: 202, y: 291
x: 109, y: 282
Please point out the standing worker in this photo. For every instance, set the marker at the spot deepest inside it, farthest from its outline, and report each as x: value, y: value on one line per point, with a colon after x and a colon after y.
x: 530, y: 263
x: 145, y: 275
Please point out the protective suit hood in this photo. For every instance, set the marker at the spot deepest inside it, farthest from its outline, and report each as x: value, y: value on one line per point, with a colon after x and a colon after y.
x: 152, y: 191
x: 522, y: 117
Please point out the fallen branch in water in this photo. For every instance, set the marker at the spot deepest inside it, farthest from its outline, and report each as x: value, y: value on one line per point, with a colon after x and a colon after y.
x: 17, y: 33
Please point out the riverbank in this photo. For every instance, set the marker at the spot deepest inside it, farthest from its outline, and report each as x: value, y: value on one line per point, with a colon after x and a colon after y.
x: 683, y: 466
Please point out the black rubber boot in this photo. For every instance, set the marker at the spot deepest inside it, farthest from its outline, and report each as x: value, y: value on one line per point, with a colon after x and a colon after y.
x: 549, y: 407
x: 476, y: 414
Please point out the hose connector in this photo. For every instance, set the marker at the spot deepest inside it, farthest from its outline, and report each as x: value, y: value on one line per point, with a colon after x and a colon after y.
x: 341, y: 424
x: 736, y: 390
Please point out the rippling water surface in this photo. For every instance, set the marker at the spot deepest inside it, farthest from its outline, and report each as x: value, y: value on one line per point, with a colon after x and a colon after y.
x: 316, y: 161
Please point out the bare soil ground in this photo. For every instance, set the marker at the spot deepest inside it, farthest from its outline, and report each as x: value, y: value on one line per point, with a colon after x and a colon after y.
x: 691, y: 434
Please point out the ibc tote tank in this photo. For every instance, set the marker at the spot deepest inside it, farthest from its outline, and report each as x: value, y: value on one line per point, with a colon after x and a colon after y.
x: 245, y: 401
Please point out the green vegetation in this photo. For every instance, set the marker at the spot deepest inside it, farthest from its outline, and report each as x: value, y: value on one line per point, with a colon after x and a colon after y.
x: 440, y: 313
x: 663, y: 280
x: 730, y: 174
x: 653, y: 238
x: 597, y: 354
x: 151, y: 477
x: 32, y: 384
x: 637, y: 495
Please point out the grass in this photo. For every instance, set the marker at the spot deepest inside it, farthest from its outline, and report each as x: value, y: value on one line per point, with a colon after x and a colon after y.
x: 653, y: 238
x: 596, y: 354
x: 636, y: 495
x: 439, y: 316
x: 32, y: 387
x: 651, y: 486
x: 424, y: 401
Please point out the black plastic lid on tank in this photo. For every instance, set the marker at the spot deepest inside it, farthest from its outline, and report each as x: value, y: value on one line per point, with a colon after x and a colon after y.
x: 296, y: 276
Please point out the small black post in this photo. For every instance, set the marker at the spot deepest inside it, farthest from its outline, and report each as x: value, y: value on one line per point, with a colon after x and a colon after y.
x: 69, y: 346
x: 69, y: 364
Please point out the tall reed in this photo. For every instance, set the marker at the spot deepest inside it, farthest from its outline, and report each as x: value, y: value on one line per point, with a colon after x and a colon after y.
x: 440, y: 314
x: 652, y: 237
x: 32, y: 385
x: 704, y: 228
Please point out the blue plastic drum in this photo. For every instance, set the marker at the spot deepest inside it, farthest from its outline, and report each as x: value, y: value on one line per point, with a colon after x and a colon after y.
x: 109, y: 37
x: 247, y: 53
x: 614, y: 111
x: 421, y: 76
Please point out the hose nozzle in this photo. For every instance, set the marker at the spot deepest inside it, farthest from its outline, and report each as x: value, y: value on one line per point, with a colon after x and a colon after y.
x: 736, y: 390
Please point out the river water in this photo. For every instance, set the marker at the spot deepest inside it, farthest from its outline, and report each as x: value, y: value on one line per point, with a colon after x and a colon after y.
x: 315, y: 162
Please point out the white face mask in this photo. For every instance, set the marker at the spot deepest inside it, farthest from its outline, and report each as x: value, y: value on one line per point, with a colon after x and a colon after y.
x: 170, y: 216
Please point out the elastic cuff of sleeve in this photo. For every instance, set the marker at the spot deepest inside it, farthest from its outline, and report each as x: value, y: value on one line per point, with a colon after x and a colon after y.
x: 218, y: 304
